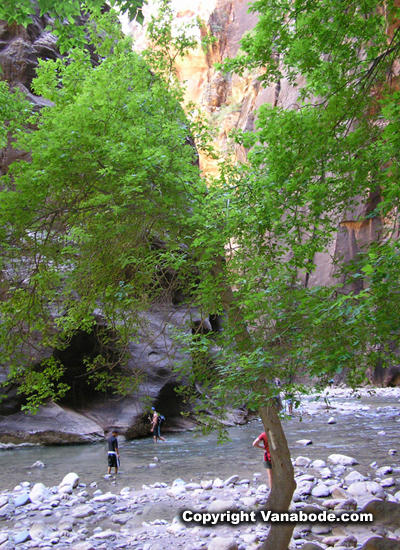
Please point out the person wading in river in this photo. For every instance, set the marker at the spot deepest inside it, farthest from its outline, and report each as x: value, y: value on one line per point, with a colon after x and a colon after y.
x: 156, y: 426
x: 262, y: 443
x: 113, y: 452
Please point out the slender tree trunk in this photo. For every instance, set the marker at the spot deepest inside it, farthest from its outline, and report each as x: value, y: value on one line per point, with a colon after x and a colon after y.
x: 283, y: 483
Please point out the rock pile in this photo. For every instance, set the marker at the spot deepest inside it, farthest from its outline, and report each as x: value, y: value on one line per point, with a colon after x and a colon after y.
x: 77, y: 516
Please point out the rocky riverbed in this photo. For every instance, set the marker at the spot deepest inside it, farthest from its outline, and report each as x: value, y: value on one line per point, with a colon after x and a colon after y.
x: 88, y: 511
x: 76, y: 515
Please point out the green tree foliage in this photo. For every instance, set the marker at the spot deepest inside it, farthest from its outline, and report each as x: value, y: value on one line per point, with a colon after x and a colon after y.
x: 309, y: 166
x: 97, y: 216
x: 64, y: 14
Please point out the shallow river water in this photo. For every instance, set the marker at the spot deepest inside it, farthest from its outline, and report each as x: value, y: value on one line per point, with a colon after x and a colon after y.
x: 357, y: 433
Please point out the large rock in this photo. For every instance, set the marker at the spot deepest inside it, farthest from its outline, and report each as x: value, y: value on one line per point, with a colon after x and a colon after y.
x: 361, y: 488
x: 378, y: 543
x: 384, y: 512
x: 70, y: 479
x: 222, y: 543
x: 39, y: 493
x: 342, y: 459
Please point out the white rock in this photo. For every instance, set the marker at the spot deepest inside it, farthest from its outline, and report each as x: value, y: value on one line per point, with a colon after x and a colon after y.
x: 192, y: 486
x: 221, y: 543
x: 249, y: 539
x: 302, y: 461
x: 176, y: 491
x: 384, y: 470
x: 38, y: 464
x: 325, y: 473
x: 105, y: 534
x: 318, y: 464
x: 222, y: 505
x: 321, y: 491
x: 304, y: 442
x: 331, y: 420
x: 249, y: 502
x: 178, y: 482
x: 83, y: 511
x: 218, y: 483
x: 364, y: 487
x: 353, y: 477
x: 388, y: 482
x: 71, y: 479
x: 175, y: 528
x: 65, y: 490
x: 207, y: 484
x: 305, y: 487
x: 392, y: 452
x: 397, y: 496
x: 105, y: 498
x: 38, y: 531
x: 342, y: 460
x: 233, y: 479
x: 39, y: 492
x: 83, y: 546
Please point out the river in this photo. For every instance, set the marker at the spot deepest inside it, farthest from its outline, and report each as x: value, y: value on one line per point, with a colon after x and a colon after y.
x: 357, y: 432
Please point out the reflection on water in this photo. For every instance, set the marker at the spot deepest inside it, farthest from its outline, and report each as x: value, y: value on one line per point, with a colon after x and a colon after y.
x: 194, y: 458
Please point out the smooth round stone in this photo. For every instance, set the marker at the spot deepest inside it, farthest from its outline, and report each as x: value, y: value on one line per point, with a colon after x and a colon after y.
x: 342, y: 459
x: 21, y: 500
x: 23, y: 536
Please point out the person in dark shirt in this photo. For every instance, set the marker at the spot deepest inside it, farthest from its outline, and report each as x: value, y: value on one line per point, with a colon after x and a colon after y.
x: 262, y: 443
x: 113, y: 452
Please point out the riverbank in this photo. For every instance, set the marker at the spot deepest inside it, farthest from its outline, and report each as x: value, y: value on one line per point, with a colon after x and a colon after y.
x: 82, y: 517
x: 139, y: 509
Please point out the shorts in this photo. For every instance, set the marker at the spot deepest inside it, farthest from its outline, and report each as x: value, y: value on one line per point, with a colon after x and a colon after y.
x: 268, y: 464
x: 157, y: 431
x: 112, y: 461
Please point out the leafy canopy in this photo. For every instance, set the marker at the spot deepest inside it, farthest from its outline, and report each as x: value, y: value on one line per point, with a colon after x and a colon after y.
x: 64, y: 15
x: 85, y: 224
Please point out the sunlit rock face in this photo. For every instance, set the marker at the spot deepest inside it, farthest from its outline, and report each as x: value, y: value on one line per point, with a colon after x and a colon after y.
x: 231, y: 102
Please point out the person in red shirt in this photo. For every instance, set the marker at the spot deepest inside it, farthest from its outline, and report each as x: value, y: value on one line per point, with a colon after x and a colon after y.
x: 262, y: 443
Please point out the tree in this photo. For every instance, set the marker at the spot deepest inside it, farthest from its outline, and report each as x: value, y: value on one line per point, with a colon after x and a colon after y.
x: 64, y: 15
x: 112, y: 174
x: 307, y: 167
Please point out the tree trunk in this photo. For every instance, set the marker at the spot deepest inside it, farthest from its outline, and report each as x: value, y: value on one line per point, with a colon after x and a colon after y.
x: 283, y: 483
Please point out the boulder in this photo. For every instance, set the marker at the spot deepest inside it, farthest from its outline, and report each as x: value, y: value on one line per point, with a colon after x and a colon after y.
x: 321, y: 491
x: 384, y: 512
x: 83, y: 511
x: 379, y: 543
x: 39, y: 492
x: 342, y: 460
x: 318, y: 464
x: 302, y: 461
x: 361, y: 488
x: 311, y: 546
x: 222, y: 543
x: 353, y: 477
x: 384, y: 470
x: 71, y: 479
x: 21, y: 500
